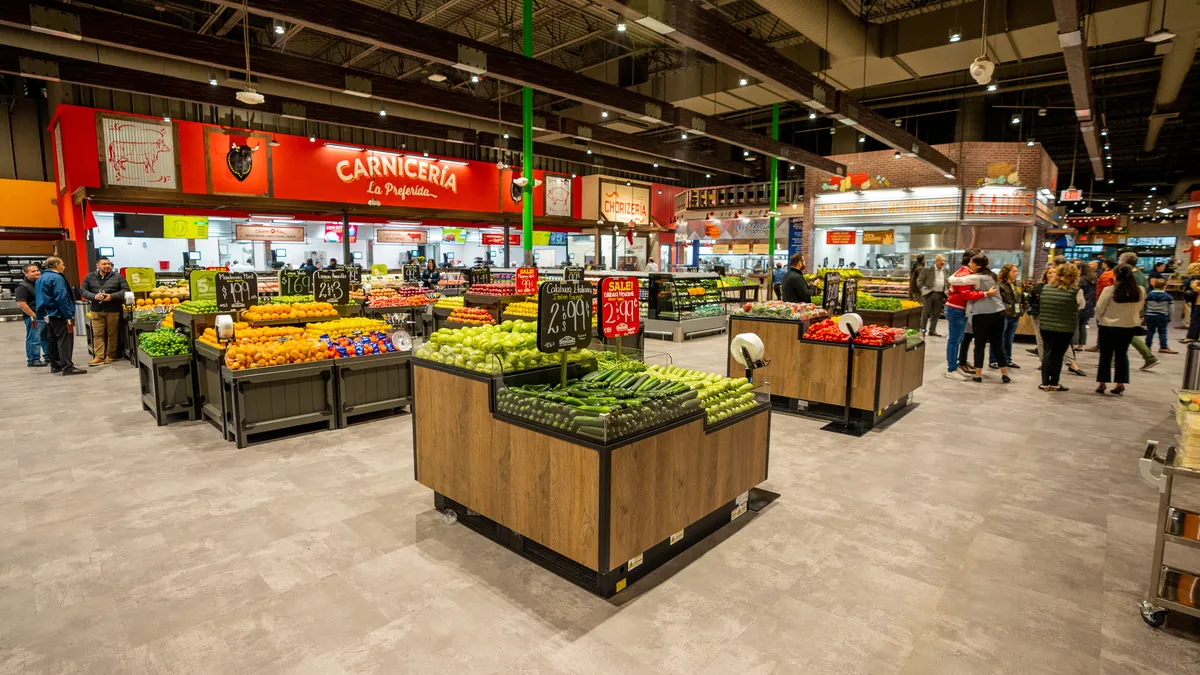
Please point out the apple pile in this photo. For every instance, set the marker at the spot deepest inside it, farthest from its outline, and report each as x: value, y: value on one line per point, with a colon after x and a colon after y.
x: 472, y: 316
x: 506, y: 347
x: 494, y: 289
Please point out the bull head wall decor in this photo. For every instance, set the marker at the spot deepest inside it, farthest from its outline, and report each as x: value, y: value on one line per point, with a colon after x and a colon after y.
x: 240, y: 160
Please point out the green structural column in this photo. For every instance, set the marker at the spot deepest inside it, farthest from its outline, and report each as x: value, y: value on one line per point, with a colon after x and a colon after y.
x: 774, y: 190
x: 527, y: 139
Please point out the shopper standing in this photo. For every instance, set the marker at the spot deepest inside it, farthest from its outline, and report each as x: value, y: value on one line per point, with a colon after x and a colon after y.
x: 794, y: 286
x: 1087, y: 284
x: 931, y: 287
x: 777, y: 280
x: 1014, y: 307
x: 106, y: 290
x: 36, y: 349
x: 914, y: 272
x: 1118, y: 317
x: 651, y: 266
x: 57, y: 307
x: 308, y: 266
x: 1158, y: 315
x: 430, y: 276
x: 1149, y: 360
x: 987, y: 317
x: 1058, y: 317
x: 956, y: 313
x: 332, y: 264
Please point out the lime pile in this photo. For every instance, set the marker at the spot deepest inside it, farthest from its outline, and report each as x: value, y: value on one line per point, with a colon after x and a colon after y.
x: 163, y: 342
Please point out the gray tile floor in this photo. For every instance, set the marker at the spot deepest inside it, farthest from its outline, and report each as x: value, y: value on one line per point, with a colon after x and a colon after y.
x: 991, y: 529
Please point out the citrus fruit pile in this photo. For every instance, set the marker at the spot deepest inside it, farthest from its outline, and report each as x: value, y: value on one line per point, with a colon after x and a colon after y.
x: 274, y: 353
x: 163, y: 342
x: 529, y: 309
x: 151, y: 302
x: 449, y: 303
x: 209, y: 336
x: 472, y: 316
x: 290, y: 299
x: 298, y: 310
x: 198, y: 306
x: 340, y: 327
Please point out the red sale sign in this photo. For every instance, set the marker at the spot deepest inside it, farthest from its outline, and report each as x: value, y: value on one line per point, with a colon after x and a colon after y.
x: 526, y: 279
x: 494, y: 239
x: 620, y: 307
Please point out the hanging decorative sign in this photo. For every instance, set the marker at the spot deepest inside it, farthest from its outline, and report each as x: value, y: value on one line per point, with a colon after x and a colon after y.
x: 558, y: 195
x: 496, y: 239
x: 286, y: 233
x: 185, y: 227
x: 620, y: 307
x: 392, y: 236
x: 138, y: 152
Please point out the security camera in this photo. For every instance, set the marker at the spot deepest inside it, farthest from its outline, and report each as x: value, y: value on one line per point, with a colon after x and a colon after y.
x: 981, y: 69
x: 520, y: 181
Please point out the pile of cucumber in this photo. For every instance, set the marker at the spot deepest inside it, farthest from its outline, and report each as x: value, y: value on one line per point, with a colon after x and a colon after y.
x: 722, y: 397
x: 603, y: 405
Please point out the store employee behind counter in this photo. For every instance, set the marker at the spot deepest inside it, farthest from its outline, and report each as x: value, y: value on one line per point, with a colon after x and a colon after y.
x: 795, y: 288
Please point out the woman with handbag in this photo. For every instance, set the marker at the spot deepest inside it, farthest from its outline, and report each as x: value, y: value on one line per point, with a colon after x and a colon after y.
x: 1118, y: 317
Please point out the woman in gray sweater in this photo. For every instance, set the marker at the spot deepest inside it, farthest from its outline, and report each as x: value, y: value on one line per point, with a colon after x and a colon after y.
x: 987, y: 318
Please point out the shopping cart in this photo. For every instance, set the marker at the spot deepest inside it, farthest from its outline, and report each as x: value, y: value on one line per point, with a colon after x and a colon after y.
x: 1171, y: 588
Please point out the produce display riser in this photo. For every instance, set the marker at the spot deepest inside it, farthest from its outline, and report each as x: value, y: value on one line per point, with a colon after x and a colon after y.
x: 809, y: 376
x: 211, y: 403
x: 132, y: 329
x: 901, y: 318
x: 685, y: 329
x: 124, y: 347
x: 369, y: 384
x: 351, y: 310
x: 494, y: 304
x: 194, y: 324
x: 167, y: 385
x: 279, y: 397
x: 601, y: 516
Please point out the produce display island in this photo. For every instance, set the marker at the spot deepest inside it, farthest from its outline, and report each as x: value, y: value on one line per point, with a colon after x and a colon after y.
x: 809, y: 376
x: 598, y: 489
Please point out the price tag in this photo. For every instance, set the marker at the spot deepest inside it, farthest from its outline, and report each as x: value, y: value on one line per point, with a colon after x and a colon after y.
x: 140, y: 279
x: 831, y: 300
x: 849, y: 295
x: 412, y: 273
x: 620, y: 310
x: 203, y: 285
x: 573, y: 273
x: 236, y: 290
x: 332, y: 286
x: 479, y: 274
x: 526, y: 279
x: 355, y: 276
x: 379, y: 270
x: 295, y: 282
x: 564, y: 316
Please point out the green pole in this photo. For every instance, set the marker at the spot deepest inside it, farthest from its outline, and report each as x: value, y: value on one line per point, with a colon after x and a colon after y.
x: 774, y: 191
x: 527, y: 138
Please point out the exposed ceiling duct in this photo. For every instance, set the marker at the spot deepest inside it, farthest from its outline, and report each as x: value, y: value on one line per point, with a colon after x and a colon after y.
x: 828, y: 24
x: 1181, y: 18
x: 1073, y: 41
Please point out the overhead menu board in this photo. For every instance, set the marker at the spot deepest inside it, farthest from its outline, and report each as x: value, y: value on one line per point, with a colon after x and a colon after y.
x: 332, y: 286
x: 620, y: 308
x: 564, y: 316
x: 236, y: 290
x: 295, y: 282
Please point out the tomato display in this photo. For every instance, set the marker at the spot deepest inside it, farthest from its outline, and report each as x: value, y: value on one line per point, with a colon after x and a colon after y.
x: 870, y: 335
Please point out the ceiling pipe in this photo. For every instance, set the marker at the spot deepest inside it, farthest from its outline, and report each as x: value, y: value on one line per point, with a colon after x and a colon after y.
x: 1182, y: 188
x: 829, y: 25
x: 1073, y: 41
x: 1175, y: 68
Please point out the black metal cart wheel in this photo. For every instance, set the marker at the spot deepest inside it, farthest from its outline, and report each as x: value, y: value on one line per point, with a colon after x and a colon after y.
x: 1153, y: 616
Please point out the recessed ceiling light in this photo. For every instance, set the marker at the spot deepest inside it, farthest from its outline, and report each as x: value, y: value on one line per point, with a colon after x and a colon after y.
x: 604, y: 113
x: 745, y: 153
x: 213, y: 81
x: 656, y: 165
x: 791, y: 167
x: 621, y: 27
x: 992, y: 87
x: 474, y: 79
x: 708, y: 175
x: 743, y: 82
x: 812, y: 115
x: 897, y: 155
x: 683, y: 135
x: 955, y: 34
x: 437, y: 77
x: 382, y: 112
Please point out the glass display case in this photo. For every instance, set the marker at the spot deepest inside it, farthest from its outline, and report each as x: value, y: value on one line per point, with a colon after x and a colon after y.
x: 685, y: 296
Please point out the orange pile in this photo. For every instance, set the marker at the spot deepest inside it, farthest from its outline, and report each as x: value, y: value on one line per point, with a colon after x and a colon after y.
x: 298, y: 310
x: 274, y: 353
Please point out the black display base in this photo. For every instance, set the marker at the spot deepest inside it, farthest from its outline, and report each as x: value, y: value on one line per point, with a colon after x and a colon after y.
x: 864, y: 419
x: 852, y: 428
x: 604, y: 585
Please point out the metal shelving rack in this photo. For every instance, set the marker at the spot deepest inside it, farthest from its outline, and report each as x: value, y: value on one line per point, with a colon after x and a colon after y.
x: 1171, y: 589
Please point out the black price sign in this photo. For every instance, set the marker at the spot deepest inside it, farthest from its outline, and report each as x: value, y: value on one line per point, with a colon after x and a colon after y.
x: 564, y: 316
x: 480, y: 274
x: 849, y: 295
x: 355, y: 273
x: 295, y: 282
x: 332, y: 286
x: 412, y: 273
x: 236, y: 290
x: 572, y: 274
x: 832, y: 299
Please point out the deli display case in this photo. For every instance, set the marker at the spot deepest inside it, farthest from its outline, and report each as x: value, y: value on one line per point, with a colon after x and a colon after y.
x: 685, y: 305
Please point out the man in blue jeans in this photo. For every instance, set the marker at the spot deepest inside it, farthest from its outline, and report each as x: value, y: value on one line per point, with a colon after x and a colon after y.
x: 36, y: 349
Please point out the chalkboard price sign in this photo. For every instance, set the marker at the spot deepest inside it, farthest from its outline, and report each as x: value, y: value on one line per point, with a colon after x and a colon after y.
x: 831, y: 300
x: 412, y: 273
x: 849, y: 295
x: 332, y: 286
x: 355, y: 276
x: 564, y: 316
x: 295, y: 282
x: 236, y: 290
x: 480, y: 274
x: 573, y: 273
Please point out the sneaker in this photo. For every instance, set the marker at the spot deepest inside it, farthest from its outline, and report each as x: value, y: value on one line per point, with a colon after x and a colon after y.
x: 1165, y: 350
x: 96, y: 361
x: 1150, y: 364
x: 74, y: 371
x: 38, y: 364
x: 953, y: 375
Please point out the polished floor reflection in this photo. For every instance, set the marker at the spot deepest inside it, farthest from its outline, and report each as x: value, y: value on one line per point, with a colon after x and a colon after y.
x: 990, y: 529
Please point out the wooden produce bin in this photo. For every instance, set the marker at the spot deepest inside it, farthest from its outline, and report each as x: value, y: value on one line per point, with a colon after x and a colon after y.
x: 132, y: 329
x: 368, y: 384
x: 167, y: 387
x: 901, y: 318
x: 494, y: 304
x: 601, y: 516
x: 808, y: 376
x: 211, y: 404
x: 276, y: 398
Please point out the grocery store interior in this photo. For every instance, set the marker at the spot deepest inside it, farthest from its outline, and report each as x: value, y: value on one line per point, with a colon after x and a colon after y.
x: 592, y: 336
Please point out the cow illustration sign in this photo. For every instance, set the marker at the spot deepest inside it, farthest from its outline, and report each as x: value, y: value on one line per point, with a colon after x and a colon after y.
x: 564, y: 316
x: 620, y: 307
x: 138, y: 153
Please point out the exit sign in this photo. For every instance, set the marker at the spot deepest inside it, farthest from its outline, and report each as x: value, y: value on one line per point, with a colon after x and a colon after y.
x: 1070, y: 195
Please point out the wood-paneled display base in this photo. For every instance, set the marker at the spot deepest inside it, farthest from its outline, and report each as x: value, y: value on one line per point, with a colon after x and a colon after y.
x: 807, y: 376
x: 586, y: 513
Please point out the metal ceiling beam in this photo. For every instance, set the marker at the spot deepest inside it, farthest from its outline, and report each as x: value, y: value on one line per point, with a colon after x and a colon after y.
x: 232, y: 21
x: 212, y: 18
x: 706, y: 32
x: 1069, y: 14
x: 411, y: 37
x: 114, y: 30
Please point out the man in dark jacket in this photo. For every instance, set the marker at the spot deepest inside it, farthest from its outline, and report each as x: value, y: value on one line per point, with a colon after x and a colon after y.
x: 332, y: 264
x: 308, y: 266
x: 57, y: 307
x: 36, y: 349
x: 106, y: 289
x: 795, y: 288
